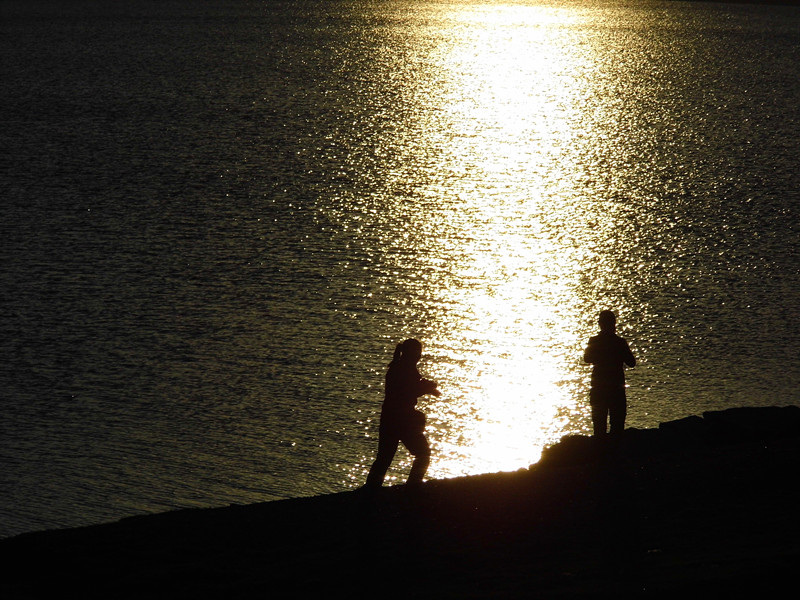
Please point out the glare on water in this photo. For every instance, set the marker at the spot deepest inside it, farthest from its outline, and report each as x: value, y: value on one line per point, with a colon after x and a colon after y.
x: 500, y: 246
x: 218, y: 233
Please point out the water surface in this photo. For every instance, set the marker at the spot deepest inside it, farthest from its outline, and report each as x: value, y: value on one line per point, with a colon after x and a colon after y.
x: 220, y: 217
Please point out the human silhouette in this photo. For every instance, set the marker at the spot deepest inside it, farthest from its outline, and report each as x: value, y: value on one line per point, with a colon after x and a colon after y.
x: 609, y: 353
x: 400, y: 420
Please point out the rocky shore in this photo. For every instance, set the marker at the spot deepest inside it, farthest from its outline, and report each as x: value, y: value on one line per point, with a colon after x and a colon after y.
x: 707, y: 504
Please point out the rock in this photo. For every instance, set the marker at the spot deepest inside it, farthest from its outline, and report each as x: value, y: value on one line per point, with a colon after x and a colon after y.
x: 753, y: 423
x: 679, y: 509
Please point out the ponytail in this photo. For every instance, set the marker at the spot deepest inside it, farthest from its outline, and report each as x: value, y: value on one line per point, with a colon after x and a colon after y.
x: 398, y: 353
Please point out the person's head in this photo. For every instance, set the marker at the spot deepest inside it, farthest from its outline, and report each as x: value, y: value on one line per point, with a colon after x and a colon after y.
x: 412, y: 350
x: 607, y: 321
x: 408, y: 351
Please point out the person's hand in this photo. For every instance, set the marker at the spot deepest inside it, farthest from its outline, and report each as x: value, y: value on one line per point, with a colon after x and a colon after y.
x: 429, y: 387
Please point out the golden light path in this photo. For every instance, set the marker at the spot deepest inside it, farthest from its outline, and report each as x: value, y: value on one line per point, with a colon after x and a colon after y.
x: 503, y: 234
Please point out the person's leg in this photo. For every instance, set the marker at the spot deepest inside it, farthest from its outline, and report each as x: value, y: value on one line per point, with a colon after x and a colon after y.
x: 617, y: 412
x: 387, y: 447
x: 599, y: 419
x: 418, y: 446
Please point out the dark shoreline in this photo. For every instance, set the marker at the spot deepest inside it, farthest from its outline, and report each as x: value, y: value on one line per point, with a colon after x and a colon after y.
x: 753, y: 2
x: 703, y: 504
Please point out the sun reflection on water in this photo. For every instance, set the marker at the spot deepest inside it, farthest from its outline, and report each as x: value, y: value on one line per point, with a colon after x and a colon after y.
x: 502, y: 255
x: 499, y: 264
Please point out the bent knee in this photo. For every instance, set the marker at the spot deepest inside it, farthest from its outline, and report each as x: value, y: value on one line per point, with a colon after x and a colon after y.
x: 426, y: 453
x: 419, y: 448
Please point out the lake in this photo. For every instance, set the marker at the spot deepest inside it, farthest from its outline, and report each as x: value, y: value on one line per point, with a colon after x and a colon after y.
x: 219, y: 219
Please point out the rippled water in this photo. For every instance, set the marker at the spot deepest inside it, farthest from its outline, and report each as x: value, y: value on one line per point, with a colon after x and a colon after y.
x: 220, y: 217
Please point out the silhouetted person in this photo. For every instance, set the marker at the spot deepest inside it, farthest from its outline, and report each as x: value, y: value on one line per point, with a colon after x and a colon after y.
x: 609, y: 354
x: 400, y: 420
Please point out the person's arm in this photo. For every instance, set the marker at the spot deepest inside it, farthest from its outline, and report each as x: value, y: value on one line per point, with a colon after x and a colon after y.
x: 426, y: 386
x: 589, y: 353
x: 629, y: 358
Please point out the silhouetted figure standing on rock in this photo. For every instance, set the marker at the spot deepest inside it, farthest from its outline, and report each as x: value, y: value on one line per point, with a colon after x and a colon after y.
x: 609, y: 353
x: 400, y: 420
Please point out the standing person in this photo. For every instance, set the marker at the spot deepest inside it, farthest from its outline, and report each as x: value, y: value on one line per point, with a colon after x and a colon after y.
x: 609, y: 353
x: 400, y: 420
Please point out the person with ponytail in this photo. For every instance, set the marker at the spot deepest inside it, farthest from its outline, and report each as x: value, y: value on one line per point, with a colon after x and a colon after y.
x: 400, y: 420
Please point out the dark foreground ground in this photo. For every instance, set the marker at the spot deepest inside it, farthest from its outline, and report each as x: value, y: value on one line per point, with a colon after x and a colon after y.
x: 705, y: 505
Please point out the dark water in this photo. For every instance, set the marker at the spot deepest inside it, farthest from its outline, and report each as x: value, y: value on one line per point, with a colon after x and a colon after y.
x: 219, y: 217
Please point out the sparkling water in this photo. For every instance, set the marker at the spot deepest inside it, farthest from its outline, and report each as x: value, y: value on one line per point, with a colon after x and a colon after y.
x: 219, y: 218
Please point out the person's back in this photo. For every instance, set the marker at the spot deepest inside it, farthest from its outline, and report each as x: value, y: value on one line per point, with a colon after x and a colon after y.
x: 401, y: 387
x: 609, y: 354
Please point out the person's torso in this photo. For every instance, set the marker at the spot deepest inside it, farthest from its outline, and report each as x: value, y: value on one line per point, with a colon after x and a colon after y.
x: 609, y: 352
x: 402, y: 388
